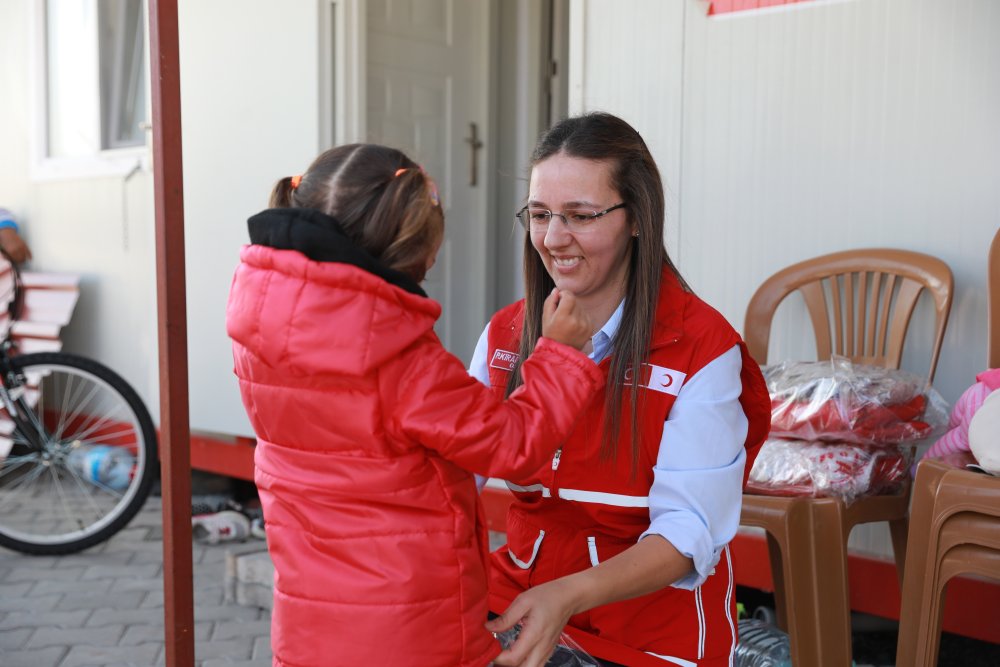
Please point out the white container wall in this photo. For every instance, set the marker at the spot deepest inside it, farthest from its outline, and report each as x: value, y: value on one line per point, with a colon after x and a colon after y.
x: 788, y: 133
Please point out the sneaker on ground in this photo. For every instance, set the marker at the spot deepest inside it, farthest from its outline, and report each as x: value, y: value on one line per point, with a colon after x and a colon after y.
x: 226, y: 526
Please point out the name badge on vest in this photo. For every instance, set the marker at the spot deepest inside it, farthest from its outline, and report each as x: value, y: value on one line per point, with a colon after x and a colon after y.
x: 504, y: 360
x: 658, y: 378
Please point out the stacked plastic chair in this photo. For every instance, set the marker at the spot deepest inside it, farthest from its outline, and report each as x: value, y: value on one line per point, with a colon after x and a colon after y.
x: 954, y: 524
x: 954, y: 529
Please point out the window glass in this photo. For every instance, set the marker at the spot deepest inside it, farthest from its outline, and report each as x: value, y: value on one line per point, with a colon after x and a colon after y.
x: 71, y: 85
x: 123, y: 72
x: 96, y: 76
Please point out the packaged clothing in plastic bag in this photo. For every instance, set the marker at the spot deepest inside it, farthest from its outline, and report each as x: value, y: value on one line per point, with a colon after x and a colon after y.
x: 567, y: 653
x: 827, y: 469
x: 840, y: 401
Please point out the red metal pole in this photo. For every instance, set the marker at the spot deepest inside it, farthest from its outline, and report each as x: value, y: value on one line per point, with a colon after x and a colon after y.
x: 175, y: 457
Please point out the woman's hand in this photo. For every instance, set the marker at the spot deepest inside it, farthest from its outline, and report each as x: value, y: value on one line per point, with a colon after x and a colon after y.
x: 564, y: 321
x: 543, y: 612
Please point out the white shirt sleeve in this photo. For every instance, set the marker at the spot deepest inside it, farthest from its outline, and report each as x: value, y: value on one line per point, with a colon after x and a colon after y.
x: 697, y: 490
x: 479, y: 369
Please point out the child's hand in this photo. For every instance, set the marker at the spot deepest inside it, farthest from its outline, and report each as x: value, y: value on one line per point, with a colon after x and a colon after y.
x: 564, y: 321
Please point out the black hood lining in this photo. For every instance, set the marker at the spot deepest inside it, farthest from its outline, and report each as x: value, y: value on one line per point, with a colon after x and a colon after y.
x: 320, y: 237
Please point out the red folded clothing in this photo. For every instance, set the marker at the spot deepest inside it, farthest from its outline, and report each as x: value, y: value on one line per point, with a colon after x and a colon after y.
x: 837, y: 419
x: 826, y: 469
x: 839, y: 401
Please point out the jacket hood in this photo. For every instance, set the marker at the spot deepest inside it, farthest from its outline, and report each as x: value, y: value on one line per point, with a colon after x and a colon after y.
x: 309, y: 301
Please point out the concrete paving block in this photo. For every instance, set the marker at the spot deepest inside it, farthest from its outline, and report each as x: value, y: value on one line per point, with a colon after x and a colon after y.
x: 123, y: 585
x: 104, y: 636
x: 142, y: 634
x: 250, y: 579
x: 90, y: 587
x: 34, y: 573
x: 227, y: 612
x: 145, y: 570
x: 125, y: 616
x: 126, y: 600
x: 39, y: 562
x: 150, y: 556
x: 262, y: 649
x: 91, y: 558
x: 217, y: 553
x: 30, y: 603
x: 46, y: 619
x: 16, y: 590
x: 132, y: 533
x: 12, y: 639
x: 43, y: 657
x: 231, y: 649
x: 88, y: 656
x: 233, y: 629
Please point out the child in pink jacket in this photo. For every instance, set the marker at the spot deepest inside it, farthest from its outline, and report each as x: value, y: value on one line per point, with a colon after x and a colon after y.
x: 368, y: 430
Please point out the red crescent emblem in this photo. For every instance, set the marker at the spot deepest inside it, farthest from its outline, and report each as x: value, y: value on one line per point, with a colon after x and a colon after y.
x: 670, y: 381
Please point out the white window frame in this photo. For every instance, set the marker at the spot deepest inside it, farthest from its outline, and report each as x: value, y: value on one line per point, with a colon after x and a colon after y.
x: 118, y: 162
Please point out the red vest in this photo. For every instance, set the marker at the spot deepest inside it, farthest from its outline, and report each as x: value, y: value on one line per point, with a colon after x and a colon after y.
x: 581, y: 510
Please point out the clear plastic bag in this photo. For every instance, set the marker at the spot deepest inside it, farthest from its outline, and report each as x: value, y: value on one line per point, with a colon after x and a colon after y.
x: 840, y: 401
x: 567, y: 653
x: 762, y: 645
x: 827, y: 469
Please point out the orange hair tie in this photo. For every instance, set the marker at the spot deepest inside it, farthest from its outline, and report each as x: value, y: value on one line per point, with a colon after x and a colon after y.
x: 431, y: 186
x: 296, y: 180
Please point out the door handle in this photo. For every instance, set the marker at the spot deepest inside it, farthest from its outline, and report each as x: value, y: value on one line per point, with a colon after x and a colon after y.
x: 474, y: 145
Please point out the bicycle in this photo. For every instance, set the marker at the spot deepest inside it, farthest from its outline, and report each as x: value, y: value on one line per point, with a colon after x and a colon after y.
x: 61, y: 417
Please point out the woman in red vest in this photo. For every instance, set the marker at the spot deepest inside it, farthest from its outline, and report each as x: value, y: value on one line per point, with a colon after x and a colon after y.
x: 622, y: 538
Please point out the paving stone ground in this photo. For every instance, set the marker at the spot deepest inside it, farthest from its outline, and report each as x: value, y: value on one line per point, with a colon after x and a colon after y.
x: 104, y: 606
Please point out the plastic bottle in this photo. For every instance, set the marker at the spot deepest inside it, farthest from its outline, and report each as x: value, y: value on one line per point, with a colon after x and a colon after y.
x: 762, y: 645
x: 101, y: 464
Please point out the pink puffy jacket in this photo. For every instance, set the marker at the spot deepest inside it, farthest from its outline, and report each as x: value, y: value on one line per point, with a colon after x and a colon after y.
x: 367, y: 430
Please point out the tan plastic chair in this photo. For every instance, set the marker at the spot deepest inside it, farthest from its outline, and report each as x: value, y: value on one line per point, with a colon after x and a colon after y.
x: 955, y: 529
x: 860, y: 303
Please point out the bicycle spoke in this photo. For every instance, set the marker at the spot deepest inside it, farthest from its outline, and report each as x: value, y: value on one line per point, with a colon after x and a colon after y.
x: 62, y: 497
x: 17, y: 462
x: 84, y: 436
x: 75, y: 412
x: 13, y: 490
x: 87, y: 491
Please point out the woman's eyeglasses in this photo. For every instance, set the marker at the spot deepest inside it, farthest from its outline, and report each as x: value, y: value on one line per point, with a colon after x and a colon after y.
x: 535, y: 219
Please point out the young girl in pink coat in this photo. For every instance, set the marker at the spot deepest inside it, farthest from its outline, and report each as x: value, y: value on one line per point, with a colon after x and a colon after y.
x: 368, y: 430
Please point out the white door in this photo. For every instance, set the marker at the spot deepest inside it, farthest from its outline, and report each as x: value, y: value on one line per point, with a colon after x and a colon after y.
x: 427, y: 85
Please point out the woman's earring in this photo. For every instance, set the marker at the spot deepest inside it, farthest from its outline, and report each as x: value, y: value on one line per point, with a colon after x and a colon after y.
x: 635, y: 235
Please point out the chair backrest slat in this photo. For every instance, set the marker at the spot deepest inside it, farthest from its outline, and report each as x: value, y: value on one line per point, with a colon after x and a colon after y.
x: 864, y: 318
x: 883, y: 318
x: 815, y: 299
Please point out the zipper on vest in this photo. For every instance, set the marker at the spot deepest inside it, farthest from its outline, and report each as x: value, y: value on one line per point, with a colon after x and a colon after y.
x: 555, y: 459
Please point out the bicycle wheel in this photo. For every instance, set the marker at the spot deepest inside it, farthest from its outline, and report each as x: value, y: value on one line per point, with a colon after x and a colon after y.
x: 49, y: 504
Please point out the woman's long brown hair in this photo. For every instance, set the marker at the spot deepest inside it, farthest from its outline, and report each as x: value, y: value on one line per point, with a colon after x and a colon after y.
x: 604, y: 137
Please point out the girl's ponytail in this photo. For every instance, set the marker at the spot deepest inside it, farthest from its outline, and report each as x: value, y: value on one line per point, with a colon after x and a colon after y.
x: 281, y: 195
